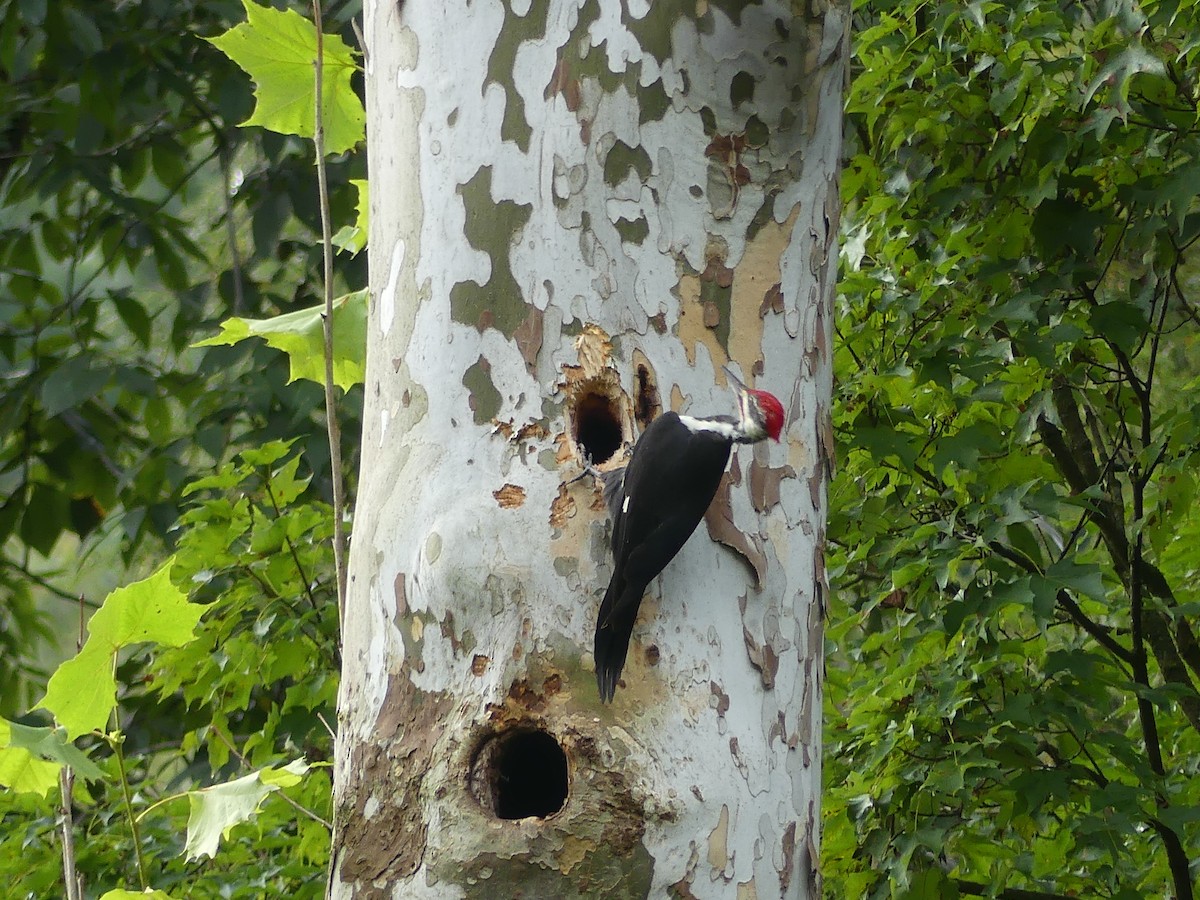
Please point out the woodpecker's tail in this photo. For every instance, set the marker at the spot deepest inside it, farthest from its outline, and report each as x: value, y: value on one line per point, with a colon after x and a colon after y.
x: 614, y: 625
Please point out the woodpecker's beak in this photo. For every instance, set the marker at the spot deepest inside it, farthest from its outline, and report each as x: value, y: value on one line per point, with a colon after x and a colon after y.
x: 734, y: 380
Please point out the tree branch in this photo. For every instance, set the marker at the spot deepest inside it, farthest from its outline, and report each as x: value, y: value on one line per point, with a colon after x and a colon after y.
x: 1072, y: 455
x: 24, y: 570
x: 1101, y: 633
x: 984, y: 890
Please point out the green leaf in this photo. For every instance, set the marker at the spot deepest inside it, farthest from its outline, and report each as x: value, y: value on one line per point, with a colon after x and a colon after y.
x: 1119, y: 71
x: 1120, y: 322
x: 44, y: 518
x: 285, y: 776
x: 25, y: 773
x: 1179, y: 817
x: 278, y: 50
x: 30, y: 758
x: 71, y: 384
x: 1043, y: 596
x: 286, y: 486
x: 122, y: 894
x: 301, y: 335
x: 84, y: 33
x: 266, y: 454
x: 964, y: 448
x: 135, y: 317
x: 883, y: 443
x: 82, y: 691
x: 152, y: 609
x: 352, y: 238
x: 1077, y: 577
x: 931, y: 884
x: 215, y: 810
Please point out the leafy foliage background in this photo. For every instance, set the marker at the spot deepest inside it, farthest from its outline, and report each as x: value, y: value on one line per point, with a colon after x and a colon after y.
x: 134, y: 216
x: 1012, y: 695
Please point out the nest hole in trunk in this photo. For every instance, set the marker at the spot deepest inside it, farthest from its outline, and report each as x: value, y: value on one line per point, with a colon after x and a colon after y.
x: 520, y: 774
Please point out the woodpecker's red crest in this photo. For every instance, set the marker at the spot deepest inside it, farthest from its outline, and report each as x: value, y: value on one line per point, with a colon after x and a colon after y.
x: 772, y: 412
x: 760, y: 413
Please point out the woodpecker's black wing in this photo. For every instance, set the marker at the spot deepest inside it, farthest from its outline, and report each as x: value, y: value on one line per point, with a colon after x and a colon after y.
x: 669, y: 483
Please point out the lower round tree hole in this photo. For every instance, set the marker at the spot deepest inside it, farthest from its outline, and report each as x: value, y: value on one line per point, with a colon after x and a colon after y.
x: 520, y: 774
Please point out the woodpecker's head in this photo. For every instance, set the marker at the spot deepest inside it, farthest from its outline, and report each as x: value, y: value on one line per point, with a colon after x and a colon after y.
x: 760, y: 414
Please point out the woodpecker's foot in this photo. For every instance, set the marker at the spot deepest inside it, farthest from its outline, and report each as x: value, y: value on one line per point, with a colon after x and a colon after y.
x: 588, y: 469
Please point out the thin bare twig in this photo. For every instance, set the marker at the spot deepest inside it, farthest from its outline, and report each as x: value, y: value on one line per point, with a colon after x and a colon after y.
x: 331, y: 422
x: 362, y: 42
x: 116, y: 740
x: 231, y: 237
x: 66, y: 825
x: 332, y: 733
x: 66, y: 818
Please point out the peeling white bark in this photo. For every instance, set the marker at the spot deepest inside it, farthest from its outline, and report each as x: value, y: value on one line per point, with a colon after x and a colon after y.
x: 600, y: 175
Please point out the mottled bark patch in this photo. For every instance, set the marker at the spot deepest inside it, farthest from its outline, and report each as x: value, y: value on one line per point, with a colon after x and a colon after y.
x: 721, y: 528
x: 382, y: 788
x: 515, y: 30
x: 725, y: 152
x: 764, y: 485
x: 592, y: 874
x: 826, y: 443
x: 484, y: 399
x: 718, y: 844
x: 820, y: 586
x: 563, y: 83
x: 682, y: 889
x: 788, y: 846
x: 809, y: 856
x: 562, y: 508
x: 621, y: 160
x: 528, y: 336
x: 491, y: 227
x: 762, y: 657
x: 525, y: 697
x: 632, y: 231
x: 460, y: 642
x: 722, y: 698
x: 690, y: 325
x: 772, y: 300
x: 716, y: 293
x: 401, y: 595
x: 510, y: 496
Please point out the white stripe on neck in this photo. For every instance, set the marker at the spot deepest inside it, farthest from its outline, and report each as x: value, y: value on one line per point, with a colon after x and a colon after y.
x: 727, y: 430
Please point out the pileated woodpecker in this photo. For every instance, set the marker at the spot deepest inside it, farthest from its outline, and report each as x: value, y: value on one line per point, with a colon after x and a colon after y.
x: 656, y: 502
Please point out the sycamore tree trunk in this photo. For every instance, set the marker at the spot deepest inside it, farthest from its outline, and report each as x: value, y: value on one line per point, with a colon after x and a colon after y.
x: 579, y: 212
